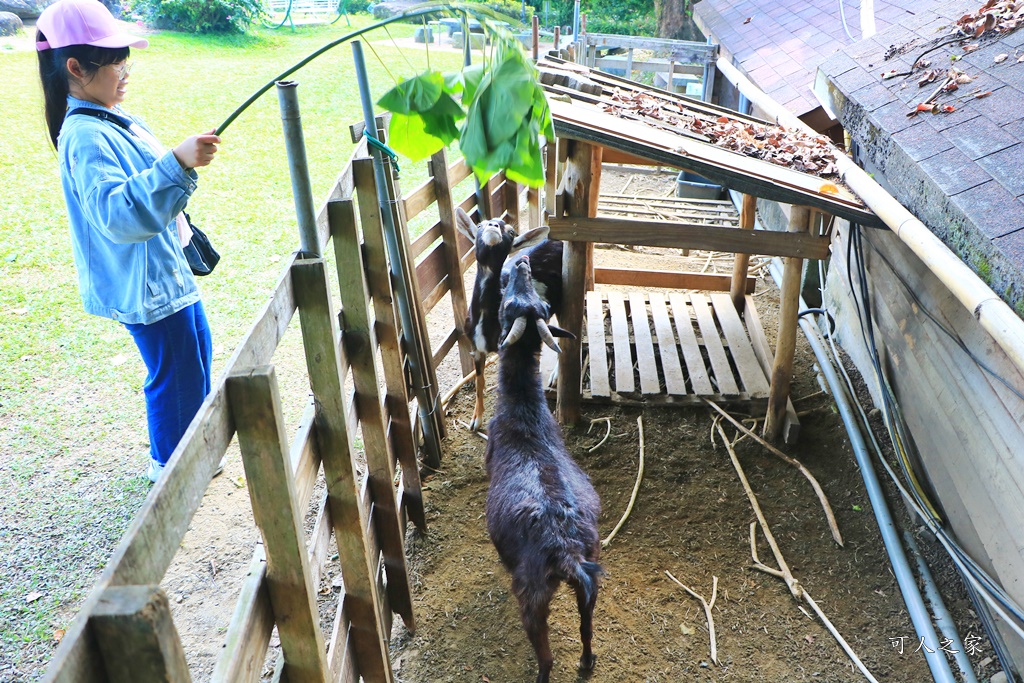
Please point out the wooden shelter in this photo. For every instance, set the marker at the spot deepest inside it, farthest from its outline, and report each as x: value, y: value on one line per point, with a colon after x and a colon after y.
x: 721, y: 360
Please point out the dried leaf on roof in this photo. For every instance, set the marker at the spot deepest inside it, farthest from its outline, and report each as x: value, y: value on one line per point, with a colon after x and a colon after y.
x: 776, y: 144
x: 1003, y: 16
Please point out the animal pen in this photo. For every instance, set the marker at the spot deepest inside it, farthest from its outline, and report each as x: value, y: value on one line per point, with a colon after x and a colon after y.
x: 686, y: 348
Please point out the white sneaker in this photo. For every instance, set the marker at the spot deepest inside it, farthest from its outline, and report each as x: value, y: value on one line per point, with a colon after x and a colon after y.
x: 155, y: 471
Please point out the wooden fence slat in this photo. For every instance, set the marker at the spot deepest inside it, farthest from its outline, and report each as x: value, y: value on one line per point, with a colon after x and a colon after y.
x: 444, y: 347
x: 754, y: 381
x: 432, y: 268
x: 378, y: 279
x: 334, y: 443
x: 456, y: 285
x: 695, y: 369
x: 689, y: 236
x: 511, y: 196
x: 419, y: 199
x: 426, y: 238
x: 649, y: 383
x: 250, y: 628
x: 675, y: 385
x: 599, y: 385
x: 458, y: 171
x: 667, y: 279
x: 360, y: 343
x: 434, y: 296
x: 624, y: 382
x: 256, y: 408
x: 136, y: 634
x: 713, y: 344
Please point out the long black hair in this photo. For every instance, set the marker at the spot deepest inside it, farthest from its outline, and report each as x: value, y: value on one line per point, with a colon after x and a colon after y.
x: 54, y: 75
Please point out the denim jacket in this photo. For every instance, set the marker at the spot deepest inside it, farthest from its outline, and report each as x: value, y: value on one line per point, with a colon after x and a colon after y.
x: 122, y: 202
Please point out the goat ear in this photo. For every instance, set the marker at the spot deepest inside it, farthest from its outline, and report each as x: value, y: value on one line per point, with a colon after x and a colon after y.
x: 530, y: 238
x: 557, y: 331
x: 465, y: 224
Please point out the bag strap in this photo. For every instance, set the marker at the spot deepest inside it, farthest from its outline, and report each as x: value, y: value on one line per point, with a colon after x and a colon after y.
x: 100, y: 114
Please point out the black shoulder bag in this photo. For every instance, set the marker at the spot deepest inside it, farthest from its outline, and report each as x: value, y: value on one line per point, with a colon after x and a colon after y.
x: 199, y: 252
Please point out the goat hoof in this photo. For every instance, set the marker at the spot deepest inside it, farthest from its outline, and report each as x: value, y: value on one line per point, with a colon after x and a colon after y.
x: 474, y: 426
x: 587, y: 662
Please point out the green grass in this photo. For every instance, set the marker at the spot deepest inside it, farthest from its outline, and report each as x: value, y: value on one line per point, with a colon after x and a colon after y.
x: 73, y: 441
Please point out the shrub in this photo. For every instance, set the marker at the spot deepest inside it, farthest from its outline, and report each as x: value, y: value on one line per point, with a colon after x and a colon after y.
x: 199, y: 16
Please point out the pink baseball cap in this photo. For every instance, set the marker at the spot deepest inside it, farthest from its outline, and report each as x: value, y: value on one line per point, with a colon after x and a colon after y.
x: 82, y: 22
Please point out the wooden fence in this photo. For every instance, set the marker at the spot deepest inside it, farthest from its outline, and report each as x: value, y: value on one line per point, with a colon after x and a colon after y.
x: 124, y: 630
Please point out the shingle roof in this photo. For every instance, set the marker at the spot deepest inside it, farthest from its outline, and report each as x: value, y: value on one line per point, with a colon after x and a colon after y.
x: 961, y: 173
x: 784, y: 41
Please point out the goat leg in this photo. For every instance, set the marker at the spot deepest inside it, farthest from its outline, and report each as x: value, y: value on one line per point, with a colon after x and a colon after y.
x: 479, y: 360
x: 585, y: 604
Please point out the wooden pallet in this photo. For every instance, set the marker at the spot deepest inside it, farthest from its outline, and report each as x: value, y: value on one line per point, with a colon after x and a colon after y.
x: 654, y: 348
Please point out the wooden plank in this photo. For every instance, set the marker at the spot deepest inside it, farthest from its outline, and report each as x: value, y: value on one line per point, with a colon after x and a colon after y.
x: 550, y: 175
x: 302, y: 455
x: 599, y: 384
x: 444, y: 347
x: 751, y: 375
x: 256, y: 409
x: 624, y: 382
x: 717, y: 206
x: 689, y: 236
x: 533, y: 204
x: 699, y: 382
x: 136, y: 635
x: 350, y: 518
x: 614, y: 156
x: 427, y: 238
x: 378, y: 279
x: 357, y: 129
x: 435, y: 295
x: 646, y: 364
x: 432, y: 268
x: 674, y: 382
x: 458, y: 171
x: 765, y: 358
x: 687, y: 52
x: 360, y: 343
x: 510, y: 193
x: 419, y: 199
x: 252, y: 623
x: 340, y: 649
x: 644, y: 212
x: 667, y: 279
x: 713, y: 344
x: 451, y: 236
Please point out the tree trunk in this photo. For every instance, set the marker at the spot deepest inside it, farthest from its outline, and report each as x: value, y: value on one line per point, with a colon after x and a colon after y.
x: 675, y: 20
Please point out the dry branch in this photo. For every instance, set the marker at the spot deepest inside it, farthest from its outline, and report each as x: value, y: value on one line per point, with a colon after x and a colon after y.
x: 707, y: 610
x: 608, y: 423
x: 636, y: 487
x: 833, y: 525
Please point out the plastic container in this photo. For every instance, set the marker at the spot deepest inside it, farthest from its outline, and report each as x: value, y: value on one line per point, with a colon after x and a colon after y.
x: 692, y: 186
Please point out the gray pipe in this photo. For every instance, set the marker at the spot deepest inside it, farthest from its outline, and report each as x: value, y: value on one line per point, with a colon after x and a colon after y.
x: 424, y: 405
x: 942, y: 617
x: 302, y: 189
x: 901, y: 568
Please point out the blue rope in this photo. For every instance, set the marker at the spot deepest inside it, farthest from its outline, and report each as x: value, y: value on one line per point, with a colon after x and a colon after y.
x: 383, y: 148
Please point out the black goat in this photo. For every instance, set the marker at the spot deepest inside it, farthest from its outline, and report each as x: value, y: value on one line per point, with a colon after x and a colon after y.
x: 494, y: 241
x: 541, y: 507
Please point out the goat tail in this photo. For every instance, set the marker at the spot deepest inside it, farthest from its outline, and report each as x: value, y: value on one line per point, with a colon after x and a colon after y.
x: 587, y: 575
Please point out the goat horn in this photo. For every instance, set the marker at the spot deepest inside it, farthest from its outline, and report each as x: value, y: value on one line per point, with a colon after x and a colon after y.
x: 545, y: 334
x: 518, y: 327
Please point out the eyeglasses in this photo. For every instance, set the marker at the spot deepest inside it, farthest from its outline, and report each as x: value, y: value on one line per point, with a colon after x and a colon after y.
x: 122, y: 70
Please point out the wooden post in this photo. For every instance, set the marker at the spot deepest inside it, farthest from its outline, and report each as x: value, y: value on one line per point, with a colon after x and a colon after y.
x: 378, y: 278
x: 449, y: 235
x: 785, y: 344
x: 550, y: 175
x: 629, y: 64
x: 360, y: 345
x: 334, y: 445
x: 738, y: 290
x: 558, y: 35
x: 511, y: 197
x: 582, y: 179
x: 256, y: 409
x: 671, y: 77
x: 536, y: 37
x: 136, y: 636
x: 533, y: 204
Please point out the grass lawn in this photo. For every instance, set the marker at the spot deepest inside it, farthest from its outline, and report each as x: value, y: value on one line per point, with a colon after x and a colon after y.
x: 73, y: 439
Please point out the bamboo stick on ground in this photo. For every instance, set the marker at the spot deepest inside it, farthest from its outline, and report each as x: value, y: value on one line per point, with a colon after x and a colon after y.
x: 636, y: 486
x: 608, y: 423
x: 707, y: 610
x: 833, y: 525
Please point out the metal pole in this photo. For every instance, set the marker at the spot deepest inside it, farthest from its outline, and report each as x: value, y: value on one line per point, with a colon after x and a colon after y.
x: 576, y: 21
x: 424, y: 405
x: 302, y: 190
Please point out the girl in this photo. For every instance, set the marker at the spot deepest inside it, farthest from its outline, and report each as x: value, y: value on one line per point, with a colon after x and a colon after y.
x: 125, y: 197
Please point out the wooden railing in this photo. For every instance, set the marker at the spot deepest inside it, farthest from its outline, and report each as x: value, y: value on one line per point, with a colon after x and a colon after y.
x: 124, y: 630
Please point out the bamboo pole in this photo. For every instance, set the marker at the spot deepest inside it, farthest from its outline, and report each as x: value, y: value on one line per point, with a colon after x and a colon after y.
x: 992, y: 313
x: 738, y: 290
x: 785, y: 344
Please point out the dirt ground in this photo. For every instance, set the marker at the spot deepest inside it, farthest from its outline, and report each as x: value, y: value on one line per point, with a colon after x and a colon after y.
x: 691, y: 518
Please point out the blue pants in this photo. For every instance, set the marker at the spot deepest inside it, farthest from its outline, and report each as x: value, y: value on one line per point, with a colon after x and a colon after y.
x: 177, y: 351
